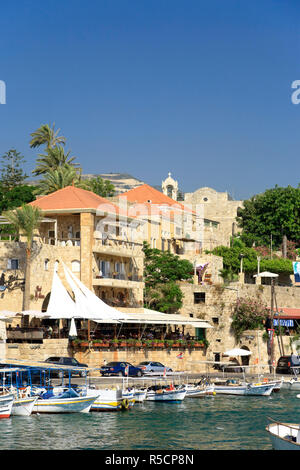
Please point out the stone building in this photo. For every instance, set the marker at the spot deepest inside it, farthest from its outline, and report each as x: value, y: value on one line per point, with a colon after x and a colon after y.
x: 219, y: 207
x: 92, y: 237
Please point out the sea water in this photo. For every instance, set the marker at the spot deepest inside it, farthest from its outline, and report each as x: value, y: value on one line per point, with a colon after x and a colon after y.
x: 210, y: 423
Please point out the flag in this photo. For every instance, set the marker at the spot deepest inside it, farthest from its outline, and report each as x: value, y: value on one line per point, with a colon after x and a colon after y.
x: 180, y: 356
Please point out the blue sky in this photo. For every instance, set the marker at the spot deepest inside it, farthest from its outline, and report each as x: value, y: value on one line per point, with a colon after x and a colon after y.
x: 201, y: 88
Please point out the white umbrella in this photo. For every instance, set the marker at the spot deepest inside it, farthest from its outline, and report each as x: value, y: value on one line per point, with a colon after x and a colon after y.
x: 73, y: 331
x: 266, y: 274
x: 237, y: 352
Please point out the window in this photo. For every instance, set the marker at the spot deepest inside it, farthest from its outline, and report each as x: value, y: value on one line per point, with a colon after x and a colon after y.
x: 46, y: 264
x: 76, y: 266
x: 215, y: 320
x: 13, y: 263
x: 199, y: 297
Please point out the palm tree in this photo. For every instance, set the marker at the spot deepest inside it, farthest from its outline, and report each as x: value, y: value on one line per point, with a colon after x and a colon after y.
x: 58, y: 179
x: 46, y: 135
x: 25, y: 221
x: 54, y: 159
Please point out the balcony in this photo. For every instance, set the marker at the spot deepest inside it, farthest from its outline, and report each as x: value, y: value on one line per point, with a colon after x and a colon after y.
x: 115, y: 247
x: 60, y: 241
x: 115, y: 279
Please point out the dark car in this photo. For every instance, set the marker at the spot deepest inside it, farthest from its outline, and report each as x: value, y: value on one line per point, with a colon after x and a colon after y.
x: 153, y: 366
x: 288, y: 365
x: 121, y: 368
x: 70, y: 362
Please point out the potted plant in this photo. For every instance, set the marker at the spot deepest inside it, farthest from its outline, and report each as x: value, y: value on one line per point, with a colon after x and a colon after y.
x: 182, y: 343
x: 131, y: 342
x: 147, y: 343
x: 114, y: 343
x: 169, y: 343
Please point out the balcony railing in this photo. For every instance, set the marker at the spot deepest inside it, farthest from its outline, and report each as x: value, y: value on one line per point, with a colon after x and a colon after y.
x: 119, y: 246
x: 60, y: 241
x: 120, y: 276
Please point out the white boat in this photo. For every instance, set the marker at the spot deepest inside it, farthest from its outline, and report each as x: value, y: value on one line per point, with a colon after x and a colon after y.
x: 66, y: 402
x: 284, y: 436
x: 259, y: 389
x: 23, y: 406
x: 195, y: 391
x: 128, y: 396
x: 166, y: 394
x: 140, y: 395
x: 6, y: 404
x: 109, y: 399
x: 291, y: 384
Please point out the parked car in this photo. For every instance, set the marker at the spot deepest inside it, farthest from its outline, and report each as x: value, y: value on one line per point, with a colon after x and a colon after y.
x: 151, y: 366
x: 288, y: 365
x: 68, y: 361
x: 118, y: 368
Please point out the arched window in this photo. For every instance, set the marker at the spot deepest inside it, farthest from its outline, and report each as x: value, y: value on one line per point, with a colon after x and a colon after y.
x: 75, y: 266
x: 56, y: 265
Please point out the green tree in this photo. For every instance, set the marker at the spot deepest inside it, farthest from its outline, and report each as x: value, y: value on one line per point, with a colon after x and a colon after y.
x: 26, y: 220
x: 99, y: 186
x: 275, y: 212
x: 16, y: 196
x: 11, y: 173
x: 162, y: 270
x: 58, y: 179
x: 54, y: 159
x: 46, y: 135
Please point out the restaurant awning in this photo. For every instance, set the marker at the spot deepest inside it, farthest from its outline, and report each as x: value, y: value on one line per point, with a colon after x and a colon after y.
x: 159, y: 318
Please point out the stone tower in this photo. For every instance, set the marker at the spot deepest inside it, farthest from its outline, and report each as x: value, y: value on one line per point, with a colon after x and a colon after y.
x: 170, y: 187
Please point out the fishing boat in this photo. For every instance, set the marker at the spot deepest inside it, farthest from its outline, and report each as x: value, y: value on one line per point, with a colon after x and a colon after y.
x: 168, y: 394
x: 68, y: 401
x: 140, y: 395
x: 284, y: 436
x: 128, y: 395
x: 109, y: 399
x: 291, y: 384
x: 246, y: 389
x: 196, y: 391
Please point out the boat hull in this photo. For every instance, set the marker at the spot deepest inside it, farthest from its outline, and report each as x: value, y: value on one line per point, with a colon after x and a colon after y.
x: 199, y: 392
x: 284, y: 436
x: 6, y: 404
x: 23, y: 406
x: 244, y: 390
x: 64, y: 405
x: 170, y: 396
x: 108, y: 400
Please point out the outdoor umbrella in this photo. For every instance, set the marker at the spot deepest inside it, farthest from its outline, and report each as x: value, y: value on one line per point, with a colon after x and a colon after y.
x: 237, y: 352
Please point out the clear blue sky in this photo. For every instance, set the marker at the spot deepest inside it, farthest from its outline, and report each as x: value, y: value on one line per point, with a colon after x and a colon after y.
x: 201, y: 88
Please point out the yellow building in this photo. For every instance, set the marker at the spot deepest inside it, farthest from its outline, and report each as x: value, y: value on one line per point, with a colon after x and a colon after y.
x: 92, y: 237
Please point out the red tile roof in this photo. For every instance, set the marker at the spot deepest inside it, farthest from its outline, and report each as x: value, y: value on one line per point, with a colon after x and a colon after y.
x: 72, y: 198
x: 146, y: 194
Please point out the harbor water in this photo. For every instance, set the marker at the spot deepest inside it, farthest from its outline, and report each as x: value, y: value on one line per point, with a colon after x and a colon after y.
x: 210, y: 423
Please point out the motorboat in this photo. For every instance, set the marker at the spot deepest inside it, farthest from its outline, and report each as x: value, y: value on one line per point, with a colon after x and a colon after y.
x: 284, y: 436
x: 67, y: 401
x: 109, y: 399
x: 6, y: 404
x: 245, y: 389
x: 128, y: 398
x: 167, y: 394
x: 140, y: 394
x: 196, y: 391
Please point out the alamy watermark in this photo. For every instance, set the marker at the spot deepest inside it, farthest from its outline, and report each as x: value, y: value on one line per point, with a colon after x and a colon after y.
x: 2, y: 92
x: 296, y: 94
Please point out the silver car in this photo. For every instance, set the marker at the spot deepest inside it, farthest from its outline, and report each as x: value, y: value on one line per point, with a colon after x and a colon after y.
x: 151, y: 366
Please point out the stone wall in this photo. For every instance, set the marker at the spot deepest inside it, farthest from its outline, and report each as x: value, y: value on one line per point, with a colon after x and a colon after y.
x: 190, y: 361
